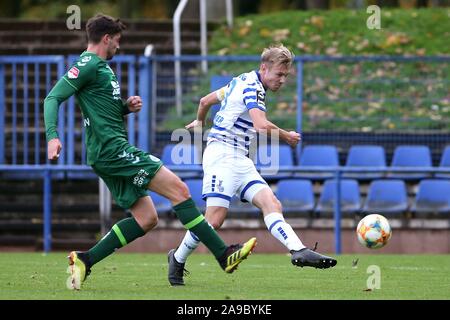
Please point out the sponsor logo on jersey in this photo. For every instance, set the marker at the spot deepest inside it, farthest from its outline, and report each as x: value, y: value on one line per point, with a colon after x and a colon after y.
x: 73, y: 73
x: 116, y: 90
x: 139, y: 178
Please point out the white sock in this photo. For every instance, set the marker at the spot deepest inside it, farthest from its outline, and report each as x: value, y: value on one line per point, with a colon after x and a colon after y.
x: 281, y: 230
x: 188, y: 245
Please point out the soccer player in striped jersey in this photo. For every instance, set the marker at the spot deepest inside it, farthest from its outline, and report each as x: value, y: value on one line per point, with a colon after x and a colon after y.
x: 228, y: 170
x: 127, y: 171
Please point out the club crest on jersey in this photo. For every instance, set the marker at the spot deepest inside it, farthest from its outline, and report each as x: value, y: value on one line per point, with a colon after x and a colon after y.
x: 73, y: 73
x: 220, y: 186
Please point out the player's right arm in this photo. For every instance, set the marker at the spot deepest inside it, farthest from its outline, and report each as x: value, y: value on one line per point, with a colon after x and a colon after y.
x: 77, y: 77
x: 204, y: 105
x: 60, y: 92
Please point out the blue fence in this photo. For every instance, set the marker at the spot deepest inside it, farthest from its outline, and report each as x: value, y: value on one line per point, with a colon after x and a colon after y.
x: 25, y: 81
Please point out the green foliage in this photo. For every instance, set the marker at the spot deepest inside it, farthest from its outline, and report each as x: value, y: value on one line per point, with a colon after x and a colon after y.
x: 334, y: 32
x: 368, y: 96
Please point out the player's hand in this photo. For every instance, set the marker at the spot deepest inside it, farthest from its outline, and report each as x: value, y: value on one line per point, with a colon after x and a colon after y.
x: 134, y: 103
x: 293, y: 138
x: 194, y: 124
x: 54, y: 147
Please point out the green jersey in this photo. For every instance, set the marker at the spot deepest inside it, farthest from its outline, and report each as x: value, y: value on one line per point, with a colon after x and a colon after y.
x: 98, y: 94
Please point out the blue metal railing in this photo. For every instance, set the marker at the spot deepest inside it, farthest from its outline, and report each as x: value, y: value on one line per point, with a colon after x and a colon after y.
x: 55, y: 62
x: 141, y: 70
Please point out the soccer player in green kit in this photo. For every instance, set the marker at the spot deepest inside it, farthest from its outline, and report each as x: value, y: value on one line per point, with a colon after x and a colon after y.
x: 127, y: 171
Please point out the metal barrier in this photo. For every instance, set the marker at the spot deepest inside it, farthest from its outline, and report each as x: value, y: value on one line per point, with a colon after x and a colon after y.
x: 50, y: 64
x: 144, y: 71
x: 368, y: 94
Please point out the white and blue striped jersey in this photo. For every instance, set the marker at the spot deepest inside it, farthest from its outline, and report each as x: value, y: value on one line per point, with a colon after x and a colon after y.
x: 232, y: 123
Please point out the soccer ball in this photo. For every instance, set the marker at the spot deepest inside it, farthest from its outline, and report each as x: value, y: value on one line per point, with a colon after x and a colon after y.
x: 374, y: 231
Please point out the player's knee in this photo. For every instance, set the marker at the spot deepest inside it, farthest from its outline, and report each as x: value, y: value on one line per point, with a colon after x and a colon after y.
x: 180, y: 191
x: 215, y: 217
x: 149, y: 223
x: 273, y: 204
x: 184, y: 191
x: 278, y: 205
x: 215, y: 223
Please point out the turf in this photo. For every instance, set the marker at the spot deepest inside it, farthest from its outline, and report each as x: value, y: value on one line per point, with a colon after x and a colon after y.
x: 32, y: 276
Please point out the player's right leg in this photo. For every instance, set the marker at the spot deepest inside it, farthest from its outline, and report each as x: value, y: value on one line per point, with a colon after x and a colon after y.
x: 79, y: 269
x: 177, y: 257
x: 167, y: 184
x: 218, y: 188
x: 122, y: 233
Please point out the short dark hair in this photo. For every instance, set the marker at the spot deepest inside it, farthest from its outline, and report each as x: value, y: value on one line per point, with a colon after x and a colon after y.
x: 101, y: 24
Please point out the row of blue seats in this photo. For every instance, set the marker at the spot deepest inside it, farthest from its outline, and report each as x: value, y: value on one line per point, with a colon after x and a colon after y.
x: 406, y: 156
x: 386, y: 196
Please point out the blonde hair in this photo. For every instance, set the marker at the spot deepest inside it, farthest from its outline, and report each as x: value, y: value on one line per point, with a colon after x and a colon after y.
x: 276, y: 55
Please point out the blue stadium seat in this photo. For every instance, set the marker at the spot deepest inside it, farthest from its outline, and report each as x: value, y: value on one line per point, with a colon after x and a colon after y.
x: 432, y: 198
x: 179, y: 155
x: 162, y: 205
x: 268, y: 166
x: 195, y: 188
x: 444, y: 163
x: 411, y: 156
x: 386, y: 197
x: 365, y: 156
x: 318, y: 155
x: 296, y: 196
x: 350, y: 198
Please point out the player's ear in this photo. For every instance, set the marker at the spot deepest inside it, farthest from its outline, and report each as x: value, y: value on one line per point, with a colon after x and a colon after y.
x: 106, y: 38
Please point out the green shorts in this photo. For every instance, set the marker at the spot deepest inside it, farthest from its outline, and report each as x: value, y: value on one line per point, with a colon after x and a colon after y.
x: 128, y: 176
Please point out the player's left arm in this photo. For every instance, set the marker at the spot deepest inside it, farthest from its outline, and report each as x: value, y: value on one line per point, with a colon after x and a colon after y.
x: 263, y: 125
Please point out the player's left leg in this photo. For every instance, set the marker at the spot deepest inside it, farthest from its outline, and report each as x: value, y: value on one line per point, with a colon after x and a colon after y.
x: 177, y: 257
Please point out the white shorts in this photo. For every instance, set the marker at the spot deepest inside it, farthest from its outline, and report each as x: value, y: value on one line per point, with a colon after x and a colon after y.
x: 228, y: 172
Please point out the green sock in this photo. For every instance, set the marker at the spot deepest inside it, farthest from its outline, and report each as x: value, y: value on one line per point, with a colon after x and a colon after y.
x: 194, y: 221
x: 122, y: 233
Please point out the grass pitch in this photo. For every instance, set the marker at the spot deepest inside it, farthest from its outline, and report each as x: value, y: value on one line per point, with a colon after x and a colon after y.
x: 125, y: 276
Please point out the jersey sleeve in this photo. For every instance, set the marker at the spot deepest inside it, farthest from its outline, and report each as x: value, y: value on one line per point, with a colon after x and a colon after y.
x: 81, y: 73
x: 125, y: 109
x: 254, y: 97
x: 60, y: 93
x: 220, y: 94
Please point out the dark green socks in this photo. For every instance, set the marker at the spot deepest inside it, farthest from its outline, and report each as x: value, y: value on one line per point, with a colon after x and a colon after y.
x: 194, y: 221
x: 122, y: 233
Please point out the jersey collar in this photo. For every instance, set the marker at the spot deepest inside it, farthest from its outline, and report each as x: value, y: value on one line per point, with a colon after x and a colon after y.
x: 259, y: 78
